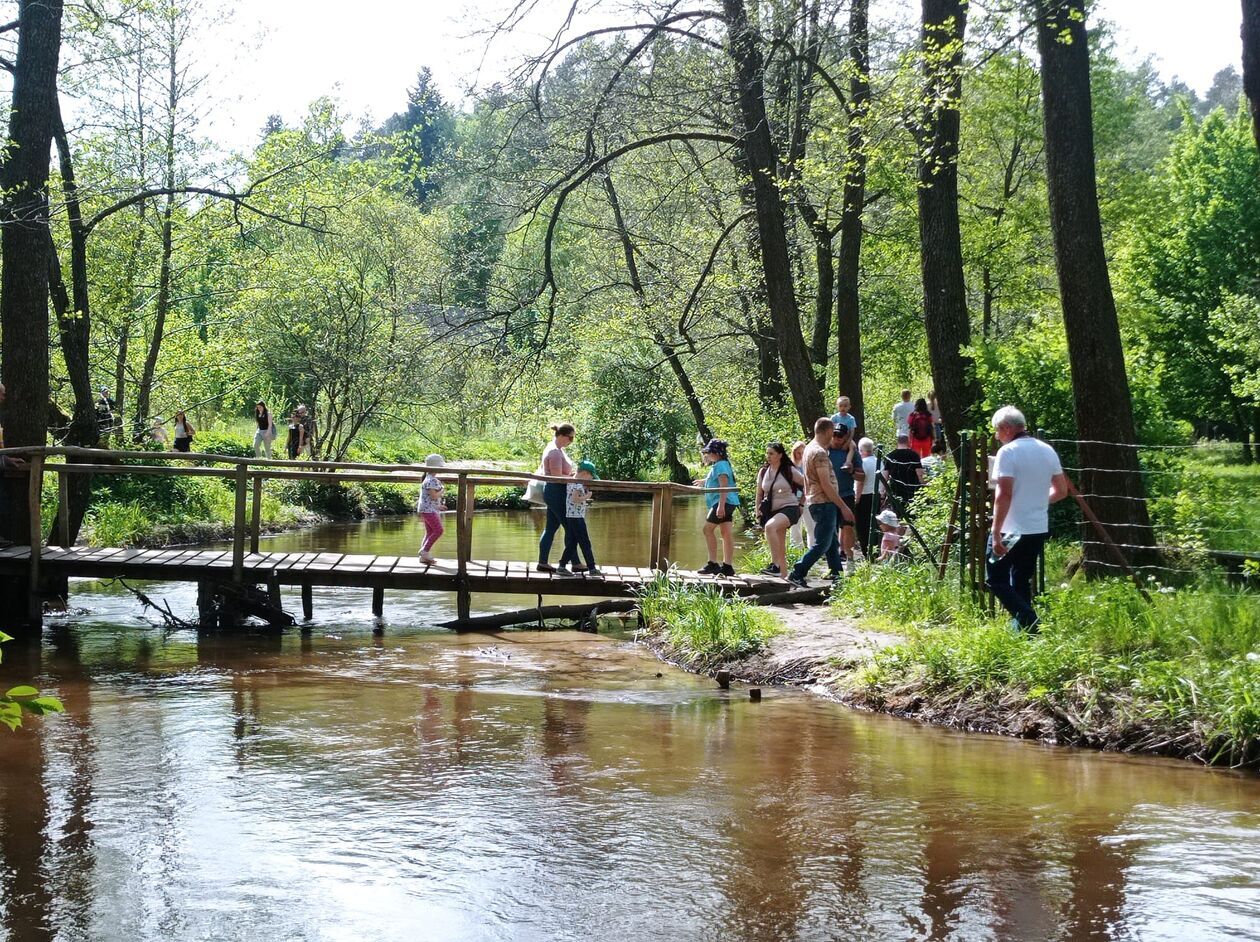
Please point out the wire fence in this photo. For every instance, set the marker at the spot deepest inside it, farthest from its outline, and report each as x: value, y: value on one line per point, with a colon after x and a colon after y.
x: 1178, y: 515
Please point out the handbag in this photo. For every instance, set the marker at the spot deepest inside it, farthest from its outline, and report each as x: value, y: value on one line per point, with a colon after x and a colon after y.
x: 534, y: 489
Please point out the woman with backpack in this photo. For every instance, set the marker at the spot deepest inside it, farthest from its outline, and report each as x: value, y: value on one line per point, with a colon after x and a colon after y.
x: 922, y: 429
x: 778, y: 505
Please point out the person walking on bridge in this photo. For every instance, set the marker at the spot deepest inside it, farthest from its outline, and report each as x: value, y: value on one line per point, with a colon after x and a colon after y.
x: 555, y: 464
x: 1028, y: 478
x: 822, y: 495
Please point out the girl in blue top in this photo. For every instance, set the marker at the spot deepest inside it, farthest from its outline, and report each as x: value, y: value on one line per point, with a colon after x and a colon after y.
x: 721, y: 508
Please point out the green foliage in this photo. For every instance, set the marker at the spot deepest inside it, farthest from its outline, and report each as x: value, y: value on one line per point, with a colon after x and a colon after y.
x: 701, y: 626
x: 1181, y: 672
x: 222, y: 442
x: 23, y: 699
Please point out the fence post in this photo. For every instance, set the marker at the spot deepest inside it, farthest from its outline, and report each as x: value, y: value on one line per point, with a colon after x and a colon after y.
x: 464, y: 496
x: 667, y: 526
x: 654, y: 531
x: 238, y: 524
x: 35, y: 487
x: 63, y: 510
x: 964, y: 509
x: 255, y: 525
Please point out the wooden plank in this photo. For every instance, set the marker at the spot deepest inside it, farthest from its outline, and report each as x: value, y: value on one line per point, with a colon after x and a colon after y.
x: 654, y: 530
x: 238, y: 524
x: 355, y: 563
x: 463, y: 522
x: 324, y: 562
x: 667, y: 528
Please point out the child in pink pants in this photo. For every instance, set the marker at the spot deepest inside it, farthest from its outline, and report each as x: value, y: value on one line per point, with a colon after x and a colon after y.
x: 430, y: 506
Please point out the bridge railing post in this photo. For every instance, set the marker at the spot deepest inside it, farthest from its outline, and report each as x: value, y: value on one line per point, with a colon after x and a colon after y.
x: 63, y: 509
x: 238, y: 524
x: 465, y: 495
x: 255, y: 524
x: 35, y: 488
x: 654, y: 531
x: 667, y: 527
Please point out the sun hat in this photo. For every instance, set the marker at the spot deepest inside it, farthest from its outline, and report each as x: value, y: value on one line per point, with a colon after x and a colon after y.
x: 588, y: 466
x: 435, y: 461
x: 888, y: 518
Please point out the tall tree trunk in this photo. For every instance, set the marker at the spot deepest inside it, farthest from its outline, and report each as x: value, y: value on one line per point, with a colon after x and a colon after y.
x: 848, y: 322
x: 1111, y: 479
x: 776, y: 259
x: 25, y: 248
x: 1251, y: 61
x: 945, y: 315
x: 668, y: 351
x: 163, y: 302
x: 75, y: 328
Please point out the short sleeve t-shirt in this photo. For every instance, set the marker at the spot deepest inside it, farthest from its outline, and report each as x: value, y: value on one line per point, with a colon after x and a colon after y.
x: 1031, y: 464
x: 901, y: 417
x: 716, y: 470
x: 555, y: 462
x: 842, y: 464
x: 817, y: 464
x: 432, y: 500
x: 903, y: 465
x: 781, y: 487
x: 575, y: 500
x: 845, y: 418
x: 869, y: 464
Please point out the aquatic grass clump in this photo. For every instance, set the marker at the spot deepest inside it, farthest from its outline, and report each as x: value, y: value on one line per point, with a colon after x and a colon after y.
x: 700, y: 626
x: 1178, y: 675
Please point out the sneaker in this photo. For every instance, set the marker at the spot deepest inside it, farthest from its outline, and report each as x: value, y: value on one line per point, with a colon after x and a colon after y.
x: 771, y: 570
x: 594, y: 571
x: 545, y: 567
x: 428, y: 559
x: 849, y: 566
x: 798, y: 581
x: 709, y: 569
x: 835, y: 575
x: 577, y: 568
x: 726, y: 570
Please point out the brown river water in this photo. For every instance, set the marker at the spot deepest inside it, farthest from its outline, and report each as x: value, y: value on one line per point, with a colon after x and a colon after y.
x: 545, y: 786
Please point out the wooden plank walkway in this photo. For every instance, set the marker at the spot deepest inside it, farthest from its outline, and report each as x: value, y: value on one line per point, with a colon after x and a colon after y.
x: 375, y: 572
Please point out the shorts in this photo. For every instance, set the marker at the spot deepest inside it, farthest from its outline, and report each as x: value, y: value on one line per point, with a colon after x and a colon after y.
x: 793, y: 514
x: 714, y: 517
x: 851, y: 503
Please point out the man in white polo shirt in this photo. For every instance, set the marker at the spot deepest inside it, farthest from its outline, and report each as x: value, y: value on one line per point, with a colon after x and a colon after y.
x: 1028, y: 478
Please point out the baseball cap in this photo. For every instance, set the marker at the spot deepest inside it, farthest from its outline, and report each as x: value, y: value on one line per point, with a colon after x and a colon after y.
x: 587, y: 466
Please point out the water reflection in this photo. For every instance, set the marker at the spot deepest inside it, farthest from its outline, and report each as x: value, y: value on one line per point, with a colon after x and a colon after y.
x: 553, y: 786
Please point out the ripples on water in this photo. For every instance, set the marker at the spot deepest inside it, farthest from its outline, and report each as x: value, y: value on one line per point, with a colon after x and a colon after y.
x: 553, y: 786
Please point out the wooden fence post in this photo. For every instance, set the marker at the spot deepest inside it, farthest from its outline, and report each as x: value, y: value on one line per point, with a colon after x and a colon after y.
x: 667, y: 527
x: 35, y: 487
x: 238, y: 524
x: 63, y: 510
x: 465, y: 493
x: 654, y: 531
x: 255, y: 525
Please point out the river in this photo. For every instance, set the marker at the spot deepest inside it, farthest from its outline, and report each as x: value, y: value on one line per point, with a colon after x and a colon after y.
x: 545, y: 786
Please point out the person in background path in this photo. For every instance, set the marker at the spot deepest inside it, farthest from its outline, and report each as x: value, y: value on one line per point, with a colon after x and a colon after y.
x: 430, y: 506
x: 903, y: 470
x: 184, y: 432
x: 297, y: 434
x: 105, y: 409
x: 842, y: 415
x: 938, y: 426
x: 1027, y: 478
x: 824, y: 503
x: 555, y: 464
x: 901, y: 413
x: 778, y: 505
x: 850, y: 479
x: 576, y: 536
x: 866, y: 500
x: 721, y: 506
x: 922, y: 429
x: 7, y: 463
x: 803, y: 532
x: 932, y: 463
x: 308, y: 431
x: 157, y: 431
x: 266, y: 432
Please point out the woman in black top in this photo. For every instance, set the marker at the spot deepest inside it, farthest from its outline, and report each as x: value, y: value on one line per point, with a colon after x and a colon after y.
x: 266, y: 433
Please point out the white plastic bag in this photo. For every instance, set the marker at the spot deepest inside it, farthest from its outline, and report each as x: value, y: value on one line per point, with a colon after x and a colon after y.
x: 534, y: 490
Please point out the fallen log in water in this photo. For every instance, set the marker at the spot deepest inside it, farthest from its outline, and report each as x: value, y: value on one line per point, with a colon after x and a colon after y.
x: 582, y: 611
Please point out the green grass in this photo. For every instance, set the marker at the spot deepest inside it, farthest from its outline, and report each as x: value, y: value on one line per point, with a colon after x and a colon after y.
x: 700, y: 626
x: 1179, y: 675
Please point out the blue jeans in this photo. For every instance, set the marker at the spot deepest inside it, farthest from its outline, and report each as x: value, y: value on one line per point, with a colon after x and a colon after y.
x: 577, y: 536
x: 553, y: 497
x: 826, y: 540
x: 1010, y: 578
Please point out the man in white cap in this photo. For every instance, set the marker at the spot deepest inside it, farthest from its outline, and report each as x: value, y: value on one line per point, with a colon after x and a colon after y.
x: 1027, y: 478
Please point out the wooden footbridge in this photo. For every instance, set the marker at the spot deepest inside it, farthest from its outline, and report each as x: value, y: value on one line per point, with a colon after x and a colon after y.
x: 47, y: 561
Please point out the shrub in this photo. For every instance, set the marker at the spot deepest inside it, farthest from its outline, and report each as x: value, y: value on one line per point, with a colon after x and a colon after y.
x: 700, y: 625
